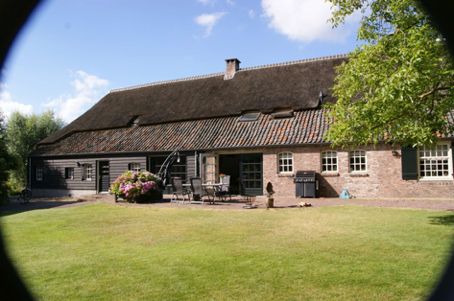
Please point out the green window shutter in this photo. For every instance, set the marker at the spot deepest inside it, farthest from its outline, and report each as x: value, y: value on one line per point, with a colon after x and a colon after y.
x: 409, y: 163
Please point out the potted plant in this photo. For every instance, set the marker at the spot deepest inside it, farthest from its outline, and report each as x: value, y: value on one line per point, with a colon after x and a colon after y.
x: 269, y: 194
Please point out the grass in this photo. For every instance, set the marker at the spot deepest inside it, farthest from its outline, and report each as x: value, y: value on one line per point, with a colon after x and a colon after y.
x: 106, y: 252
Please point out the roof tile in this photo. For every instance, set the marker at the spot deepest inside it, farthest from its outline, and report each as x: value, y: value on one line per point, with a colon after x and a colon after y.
x: 306, y: 127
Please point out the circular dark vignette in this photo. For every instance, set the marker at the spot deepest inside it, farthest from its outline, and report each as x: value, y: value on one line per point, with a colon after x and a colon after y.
x: 14, y: 14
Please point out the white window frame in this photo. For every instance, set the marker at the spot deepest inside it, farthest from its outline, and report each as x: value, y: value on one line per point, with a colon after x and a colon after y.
x: 329, y: 155
x: 39, y: 174
x: 134, y: 167
x: 357, y: 154
x: 422, y: 151
x: 285, y: 163
x: 87, y: 172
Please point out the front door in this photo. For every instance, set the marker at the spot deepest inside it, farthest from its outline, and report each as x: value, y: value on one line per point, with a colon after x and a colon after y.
x: 103, y: 176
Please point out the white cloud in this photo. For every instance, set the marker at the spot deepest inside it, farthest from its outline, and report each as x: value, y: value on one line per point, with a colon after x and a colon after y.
x: 87, y: 89
x: 251, y: 14
x: 208, y: 21
x: 8, y: 105
x: 303, y: 20
x: 230, y: 2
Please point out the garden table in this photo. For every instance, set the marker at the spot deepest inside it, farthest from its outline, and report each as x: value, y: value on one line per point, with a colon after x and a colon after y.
x: 217, y: 187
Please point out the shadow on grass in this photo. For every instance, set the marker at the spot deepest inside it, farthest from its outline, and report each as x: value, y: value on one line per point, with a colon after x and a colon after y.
x: 447, y: 220
x: 14, y: 207
x: 161, y: 201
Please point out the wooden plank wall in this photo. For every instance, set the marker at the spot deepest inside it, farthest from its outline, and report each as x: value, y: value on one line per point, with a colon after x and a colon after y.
x: 54, y: 174
x: 54, y: 171
x: 120, y: 165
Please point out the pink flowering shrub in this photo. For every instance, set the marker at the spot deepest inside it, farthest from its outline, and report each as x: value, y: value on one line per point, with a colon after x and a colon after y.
x: 133, y: 186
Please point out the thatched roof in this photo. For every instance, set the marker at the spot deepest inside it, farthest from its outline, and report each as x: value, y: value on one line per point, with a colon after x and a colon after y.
x: 294, y: 85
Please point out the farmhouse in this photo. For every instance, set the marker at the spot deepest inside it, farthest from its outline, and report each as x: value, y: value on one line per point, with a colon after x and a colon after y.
x: 256, y: 124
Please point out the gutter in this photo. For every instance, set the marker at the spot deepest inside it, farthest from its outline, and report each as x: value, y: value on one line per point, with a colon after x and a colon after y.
x: 182, y: 150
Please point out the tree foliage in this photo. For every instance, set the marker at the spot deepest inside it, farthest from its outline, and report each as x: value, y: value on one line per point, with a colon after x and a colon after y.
x: 23, y: 133
x: 5, y: 161
x: 398, y: 86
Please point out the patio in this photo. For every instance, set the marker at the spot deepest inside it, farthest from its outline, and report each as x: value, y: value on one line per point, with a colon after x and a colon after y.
x: 292, y: 202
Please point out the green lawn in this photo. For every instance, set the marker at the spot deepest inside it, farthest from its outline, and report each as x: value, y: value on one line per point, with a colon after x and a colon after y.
x: 107, y: 252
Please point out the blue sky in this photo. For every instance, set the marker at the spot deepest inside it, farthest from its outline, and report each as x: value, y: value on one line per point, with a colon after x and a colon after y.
x: 71, y: 53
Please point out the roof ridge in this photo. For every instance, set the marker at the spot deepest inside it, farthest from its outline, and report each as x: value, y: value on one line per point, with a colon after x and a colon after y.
x: 294, y: 62
x: 171, y: 81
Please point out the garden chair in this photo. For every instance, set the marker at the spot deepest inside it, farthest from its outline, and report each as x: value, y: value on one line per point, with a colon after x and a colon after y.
x: 224, y: 189
x: 198, y: 191
x: 178, y: 189
x: 247, y: 197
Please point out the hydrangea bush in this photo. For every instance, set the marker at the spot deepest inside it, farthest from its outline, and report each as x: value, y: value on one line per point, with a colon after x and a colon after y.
x: 137, y: 186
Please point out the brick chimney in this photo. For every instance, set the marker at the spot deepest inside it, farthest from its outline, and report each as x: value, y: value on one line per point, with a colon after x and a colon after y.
x: 231, y: 67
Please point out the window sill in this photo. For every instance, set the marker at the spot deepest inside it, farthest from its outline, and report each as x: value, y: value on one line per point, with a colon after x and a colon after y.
x: 330, y: 174
x: 286, y: 174
x: 441, y: 179
x: 359, y: 174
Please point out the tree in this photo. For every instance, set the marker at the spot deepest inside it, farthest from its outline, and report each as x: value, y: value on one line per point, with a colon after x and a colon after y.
x: 5, y: 162
x: 23, y: 133
x: 398, y: 87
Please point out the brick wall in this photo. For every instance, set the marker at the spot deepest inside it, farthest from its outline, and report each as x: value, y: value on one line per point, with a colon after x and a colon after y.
x: 382, y: 179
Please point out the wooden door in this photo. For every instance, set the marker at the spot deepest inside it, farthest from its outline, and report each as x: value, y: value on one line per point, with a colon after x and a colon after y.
x: 103, y: 176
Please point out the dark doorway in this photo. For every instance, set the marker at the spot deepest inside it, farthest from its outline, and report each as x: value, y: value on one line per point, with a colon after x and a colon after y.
x: 103, y: 176
x: 245, y: 168
x: 230, y: 165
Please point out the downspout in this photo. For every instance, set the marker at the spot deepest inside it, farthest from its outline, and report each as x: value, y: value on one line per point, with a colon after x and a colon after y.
x: 195, y: 163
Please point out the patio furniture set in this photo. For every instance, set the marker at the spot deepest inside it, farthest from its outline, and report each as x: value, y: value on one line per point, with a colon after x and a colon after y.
x: 198, y: 192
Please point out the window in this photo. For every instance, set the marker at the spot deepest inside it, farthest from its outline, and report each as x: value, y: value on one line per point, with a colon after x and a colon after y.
x: 249, y: 116
x: 135, y: 120
x: 87, y: 172
x: 69, y: 173
x: 434, y: 161
x: 285, y: 162
x: 135, y: 167
x: 282, y: 113
x: 39, y: 174
x: 358, y: 161
x: 329, y: 161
